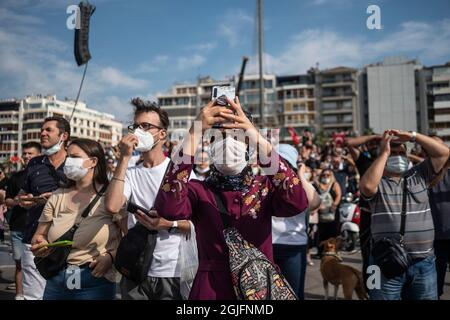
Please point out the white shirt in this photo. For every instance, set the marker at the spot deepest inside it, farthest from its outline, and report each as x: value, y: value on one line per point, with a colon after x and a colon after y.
x: 290, y: 231
x: 141, y: 188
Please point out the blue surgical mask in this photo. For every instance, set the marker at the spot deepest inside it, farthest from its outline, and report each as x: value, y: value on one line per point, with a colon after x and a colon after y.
x: 53, y: 149
x: 397, y: 164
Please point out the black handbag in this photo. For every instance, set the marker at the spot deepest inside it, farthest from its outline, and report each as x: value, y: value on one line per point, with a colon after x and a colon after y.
x: 135, y: 252
x: 391, y: 255
x: 50, y: 265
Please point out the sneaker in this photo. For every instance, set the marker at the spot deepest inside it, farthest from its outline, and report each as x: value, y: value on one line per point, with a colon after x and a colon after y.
x: 12, y: 286
x: 310, y: 263
x: 19, y: 297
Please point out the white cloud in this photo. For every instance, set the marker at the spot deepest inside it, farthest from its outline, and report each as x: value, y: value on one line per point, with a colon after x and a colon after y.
x: 203, y: 47
x: 154, y: 65
x: 188, y: 62
x: 31, y: 62
x: 429, y: 41
x: 8, y: 16
x: 234, y: 25
x: 117, y: 78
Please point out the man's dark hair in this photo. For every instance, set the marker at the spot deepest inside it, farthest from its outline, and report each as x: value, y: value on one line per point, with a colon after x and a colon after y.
x: 62, y: 124
x: 141, y: 106
x: 32, y: 144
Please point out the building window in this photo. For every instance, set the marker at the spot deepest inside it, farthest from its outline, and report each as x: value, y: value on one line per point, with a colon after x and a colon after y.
x: 329, y: 106
x: 330, y: 119
x: 347, y: 118
x: 299, y: 107
x: 347, y: 104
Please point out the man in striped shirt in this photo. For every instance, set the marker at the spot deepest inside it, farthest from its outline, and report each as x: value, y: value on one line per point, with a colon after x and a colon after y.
x: 382, y: 186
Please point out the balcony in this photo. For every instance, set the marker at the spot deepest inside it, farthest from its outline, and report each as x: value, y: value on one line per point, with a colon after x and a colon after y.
x: 441, y: 104
x: 443, y: 132
x: 445, y: 90
x: 337, y: 111
x: 442, y: 118
x: 441, y: 78
x: 337, y: 125
x: 340, y: 83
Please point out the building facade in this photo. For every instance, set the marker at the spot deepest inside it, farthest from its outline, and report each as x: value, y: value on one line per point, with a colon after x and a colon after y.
x: 337, y: 99
x: 435, y: 98
x: 296, y: 104
x: 392, y: 95
x: 21, y: 122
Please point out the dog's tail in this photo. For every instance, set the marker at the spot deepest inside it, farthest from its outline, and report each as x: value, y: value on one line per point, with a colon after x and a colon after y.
x: 360, y: 289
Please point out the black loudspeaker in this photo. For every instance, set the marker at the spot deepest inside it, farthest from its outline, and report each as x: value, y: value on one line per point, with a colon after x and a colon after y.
x: 81, y: 47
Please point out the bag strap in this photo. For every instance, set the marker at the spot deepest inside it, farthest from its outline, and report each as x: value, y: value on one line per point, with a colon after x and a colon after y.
x: 222, y: 211
x: 91, y: 204
x: 330, y: 187
x: 403, y: 215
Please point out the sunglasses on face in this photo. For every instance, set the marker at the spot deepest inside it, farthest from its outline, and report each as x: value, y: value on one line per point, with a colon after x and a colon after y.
x: 143, y: 126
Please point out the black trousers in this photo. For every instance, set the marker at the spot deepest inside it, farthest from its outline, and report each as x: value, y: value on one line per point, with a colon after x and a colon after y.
x: 151, y: 288
x: 442, y: 252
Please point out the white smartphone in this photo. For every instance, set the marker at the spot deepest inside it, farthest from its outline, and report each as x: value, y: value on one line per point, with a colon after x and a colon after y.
x: 218, y: 92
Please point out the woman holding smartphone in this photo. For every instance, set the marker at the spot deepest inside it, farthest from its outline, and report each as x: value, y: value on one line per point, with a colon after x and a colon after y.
x: 89, y: 273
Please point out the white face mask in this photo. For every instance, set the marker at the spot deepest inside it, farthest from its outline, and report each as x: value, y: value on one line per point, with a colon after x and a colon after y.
x: 74, y: 170
x: 308, y: 176
x: 228, y: 156
x: 397, y: 164
x: 53, y: 149
x: 146, y: 140
x: 325, y: 180
x: 202, y: 170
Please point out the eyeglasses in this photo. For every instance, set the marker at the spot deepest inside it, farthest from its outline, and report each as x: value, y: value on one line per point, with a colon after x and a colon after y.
x: 144, y: 126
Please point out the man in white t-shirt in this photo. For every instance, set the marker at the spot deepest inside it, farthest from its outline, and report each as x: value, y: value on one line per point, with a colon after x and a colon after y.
x: 140, y: 185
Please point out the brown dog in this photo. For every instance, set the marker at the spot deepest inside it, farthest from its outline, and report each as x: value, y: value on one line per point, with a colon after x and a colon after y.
x: 336, y: 273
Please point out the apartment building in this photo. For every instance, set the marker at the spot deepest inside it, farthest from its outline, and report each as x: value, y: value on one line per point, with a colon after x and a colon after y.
x: 337, y: 101
x: 21, y: 120
x: 296, y: 104
x: 435, y: 98
x: 184, y: 102
x: 391, y: 95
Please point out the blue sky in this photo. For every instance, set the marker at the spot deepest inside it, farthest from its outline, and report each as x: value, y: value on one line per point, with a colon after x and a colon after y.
x: 142, y: 47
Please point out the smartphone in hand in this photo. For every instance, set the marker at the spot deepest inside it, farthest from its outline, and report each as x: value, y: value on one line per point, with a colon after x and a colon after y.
x: 133, y: 208
x: 220, y: 95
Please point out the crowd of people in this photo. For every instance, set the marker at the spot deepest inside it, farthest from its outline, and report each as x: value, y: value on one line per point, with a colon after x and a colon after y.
x: 285, y: 208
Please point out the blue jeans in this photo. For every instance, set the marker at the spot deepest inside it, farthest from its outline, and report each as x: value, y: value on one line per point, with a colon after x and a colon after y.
x: 16, y: 243
x: 79, y: 285
x: 419, y: 282
x: 292, y: 263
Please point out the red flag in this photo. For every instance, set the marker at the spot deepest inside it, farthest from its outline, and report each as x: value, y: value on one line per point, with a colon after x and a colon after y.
x: 294, y: 136
x: 338, y: 138
x: 14, y: 159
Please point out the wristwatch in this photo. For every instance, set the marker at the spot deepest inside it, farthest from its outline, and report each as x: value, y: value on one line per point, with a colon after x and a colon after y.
x: 414, y: 135
x: 174, y: 228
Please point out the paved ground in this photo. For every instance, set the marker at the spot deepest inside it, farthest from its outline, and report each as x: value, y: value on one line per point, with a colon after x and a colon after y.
x: 313, y: 287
